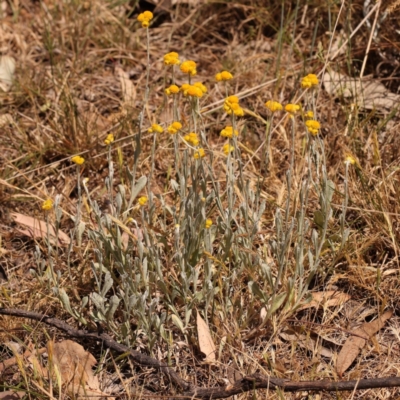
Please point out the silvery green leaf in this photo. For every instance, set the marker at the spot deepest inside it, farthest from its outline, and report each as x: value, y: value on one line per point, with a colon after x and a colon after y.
x: 329, y: 190
x: 278, y: 301
x: 314, y: 238
x: 140, y: 249
x: 187, y: 316
x: 346, y: 234
x: 84, y: 301
x: 108, y: 283
x: 118, y: 202
x: 107, y: 183
x: 114, y: 302
x: 255, y: 289
x: 98, y: 301
x: 125, y: 329
x: 265, y: 269
x: 144, y: 268
x: 170, y: 210
x: 174, y: 185
x: 98, y: 315
x: 121, y: 190
x: 132, y: 301
x: 65, y: 301
x: 79, y: 232
x: 274, y: 246
x: 311, y: 259
x: 163, y: 333
x: 178, y: 322
x: 221, y: 346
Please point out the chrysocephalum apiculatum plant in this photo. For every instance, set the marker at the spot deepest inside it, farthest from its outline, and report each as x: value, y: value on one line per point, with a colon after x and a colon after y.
x: 156, y: 258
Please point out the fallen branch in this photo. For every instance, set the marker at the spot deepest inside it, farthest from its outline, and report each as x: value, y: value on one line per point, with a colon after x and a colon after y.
x: 246, y: 384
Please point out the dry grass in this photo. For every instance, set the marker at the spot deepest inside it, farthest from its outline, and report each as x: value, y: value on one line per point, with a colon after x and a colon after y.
x: 67, y: 97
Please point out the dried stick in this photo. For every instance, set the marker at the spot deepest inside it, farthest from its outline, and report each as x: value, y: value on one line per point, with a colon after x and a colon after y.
x: 246, y: 384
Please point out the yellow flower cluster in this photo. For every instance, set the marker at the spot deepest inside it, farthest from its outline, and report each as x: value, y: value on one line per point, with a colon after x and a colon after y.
x: 309, y: 114
x: 208, y: 223
x: 195, y: 90
x: 172, y: 58
x: 47, y: 205
x: 227, y: 148
x: 223, y: 76
x: 145, y: 18
x: 189, y: 67
x: 78, y: 160
x: 348, y: 160
x: 231, y: 105
x: 309, y: 81
x: 313, y: 126
x: 199, y: 153
x: 192, y: 138
x: 170, y: 90
x: 109, y: 139
x: 174, y: 128
x: 142, y: 201
x: 155, y: 128
x: 273, y: 106
x: 229, y: 132
x: 292, y: 108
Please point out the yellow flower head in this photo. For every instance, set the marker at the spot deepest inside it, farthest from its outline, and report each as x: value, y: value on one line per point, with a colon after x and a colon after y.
x: 155, y: 128
x: 309, y: 114
x: 292, y: 108
x: 223, y: 76
x: 309, y: 81
x: 47, y: 205
x: 229, y: 132
x: 145, y: 18
x: 189, y: 67
x: 109, y: 139
x: 142, y: 201
x: 194, y: 91
x: 273, y: 106
x: 348, y: 160
x: 199, y: 153
x: 313, y: 126
x: 232, y: 99
x: 227, y: 148
x: 192, y: 138
x: 208, y: 223
x: 231, y: 105
x: 171, y: 58
x: 173, y: 89
x: 174, y: 127
x: 78, y: 160
x: 184, y: 88
x: 200, y: 86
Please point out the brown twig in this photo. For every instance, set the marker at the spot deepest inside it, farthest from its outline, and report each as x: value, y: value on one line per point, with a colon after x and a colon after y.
x: 246, y: 384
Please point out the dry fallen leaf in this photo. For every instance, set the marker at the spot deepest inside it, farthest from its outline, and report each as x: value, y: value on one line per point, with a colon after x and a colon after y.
x: 311, y: 342
x: 11, y: 395
x: 329, y: 298
x: 7, y: 69
x: 6, y: 119
x: 354, y: 344
x: 75, y: 365
x: 369, y: 94
x: 127, y: 87
x: 38, y: 229
x: 206, y: 343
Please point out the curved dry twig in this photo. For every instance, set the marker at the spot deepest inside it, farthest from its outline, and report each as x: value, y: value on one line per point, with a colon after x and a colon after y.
x: 246, y: 384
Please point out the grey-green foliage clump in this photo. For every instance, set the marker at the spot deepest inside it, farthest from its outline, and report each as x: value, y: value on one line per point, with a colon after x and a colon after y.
x: 155, y: 261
